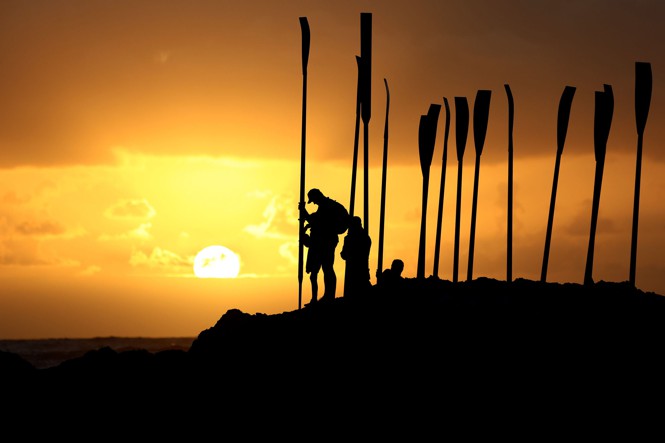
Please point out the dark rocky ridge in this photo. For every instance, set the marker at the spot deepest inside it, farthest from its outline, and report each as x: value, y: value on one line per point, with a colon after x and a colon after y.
x: 432, y: 337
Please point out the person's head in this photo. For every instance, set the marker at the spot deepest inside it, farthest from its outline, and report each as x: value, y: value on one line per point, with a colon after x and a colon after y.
x: 397, y: 266
x: 314, y: 196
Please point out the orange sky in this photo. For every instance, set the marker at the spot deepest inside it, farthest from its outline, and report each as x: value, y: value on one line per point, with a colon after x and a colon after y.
x: 135, y: 133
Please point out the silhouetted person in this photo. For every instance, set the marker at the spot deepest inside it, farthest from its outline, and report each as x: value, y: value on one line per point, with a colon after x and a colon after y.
x: 393, y: 275
x: 323, y: 240
x: 355, y: 251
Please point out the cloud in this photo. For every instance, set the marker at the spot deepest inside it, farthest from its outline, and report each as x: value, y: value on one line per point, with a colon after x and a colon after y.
x: 131, y: 209
x: 280, y: 219
x: 161, y: 259
x: 140, y: 233
x: 47, y: 230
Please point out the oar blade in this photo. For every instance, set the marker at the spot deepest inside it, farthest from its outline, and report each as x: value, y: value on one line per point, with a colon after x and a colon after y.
x: 565, y: 104
x: 461, y: 125
x: 604, y: 109
x: 427, y: 136
x: 304, y: 26
x: 481, y: 113
x: 643, y: 84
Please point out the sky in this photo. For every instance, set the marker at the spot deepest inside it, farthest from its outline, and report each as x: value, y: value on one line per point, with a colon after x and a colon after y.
x: 134, y: 134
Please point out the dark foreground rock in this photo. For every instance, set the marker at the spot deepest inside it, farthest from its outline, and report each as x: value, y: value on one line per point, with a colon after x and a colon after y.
x: 471, y: 344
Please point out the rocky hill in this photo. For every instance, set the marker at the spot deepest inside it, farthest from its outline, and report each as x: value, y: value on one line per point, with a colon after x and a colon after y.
x: 411, y: 341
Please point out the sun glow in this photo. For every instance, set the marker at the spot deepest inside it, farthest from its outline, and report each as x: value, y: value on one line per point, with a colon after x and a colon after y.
x: 216, y: 262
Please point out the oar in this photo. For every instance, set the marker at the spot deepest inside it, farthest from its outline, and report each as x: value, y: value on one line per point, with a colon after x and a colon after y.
x: 442, y: 189
x: 642, y: 103
x: 354, y: 167
x: 509, y: 234
x: 426, y: 138
x: 366, y: 99
x: 604, y: 101
x: 565, y: 104
x: 382, y: 217
x: 304, y: 26
x: 481, y: 112
x: 461, y: 133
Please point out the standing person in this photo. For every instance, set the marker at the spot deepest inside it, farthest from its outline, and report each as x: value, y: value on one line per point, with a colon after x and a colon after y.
x: 355, y: 251
x: 323, y: 240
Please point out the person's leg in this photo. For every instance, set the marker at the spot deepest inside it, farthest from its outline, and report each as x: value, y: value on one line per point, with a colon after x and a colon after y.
x: 313, y: 278
x: 329, y: 276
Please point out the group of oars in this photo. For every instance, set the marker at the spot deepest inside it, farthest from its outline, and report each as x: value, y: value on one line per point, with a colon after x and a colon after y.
x: 604, y: 109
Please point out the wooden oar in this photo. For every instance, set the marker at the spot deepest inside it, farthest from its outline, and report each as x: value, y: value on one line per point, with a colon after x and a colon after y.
x: 509, y: 234
x: 304, y: 26
x: 382, y: 217
x: 604, y: 101
x: 366, y: 99
x: 426, y: 138
x: 642, y: 102
x: 481, y: 112
x: 565, y: 104
x: 461, y: 133
x: 442, y: 189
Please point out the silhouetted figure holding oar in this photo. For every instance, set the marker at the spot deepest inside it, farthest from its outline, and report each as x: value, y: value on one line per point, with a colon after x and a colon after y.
x: 324, y: 237
x: 601, y: 131
x: 355, y: 251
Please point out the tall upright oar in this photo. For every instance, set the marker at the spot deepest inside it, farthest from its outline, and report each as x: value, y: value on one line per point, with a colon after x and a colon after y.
x: 304, y: 26
x: 442, y: 189
x: 601, y: 130
x: 354, y: 167
x: 481, y: 113
x: 565, y: 104
x: 366, y: 99
x: 509, y: 234
x: 461, y: 133
x: 642, y: 103
x: 382, y: 217
x: 426, y: 138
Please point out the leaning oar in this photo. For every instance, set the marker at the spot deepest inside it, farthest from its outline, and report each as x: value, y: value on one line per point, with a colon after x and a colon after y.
x: 642, y: 102
x: 601, y: 131
x: 439, y: 220
x: 481, y: 112
x: 304, y: 25
x: 426, y: 138
x: 366, y: 99
x: 379, y: 266
x: 354, y: 167
x: 461, y: 132
x: 509, y: 234
x: 565, y: 104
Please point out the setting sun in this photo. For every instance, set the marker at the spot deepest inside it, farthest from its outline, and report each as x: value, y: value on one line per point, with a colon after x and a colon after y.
x: 216, y: 262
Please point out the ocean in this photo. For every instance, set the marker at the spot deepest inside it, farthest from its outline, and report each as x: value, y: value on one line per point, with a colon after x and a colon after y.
x: 45, y: 353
